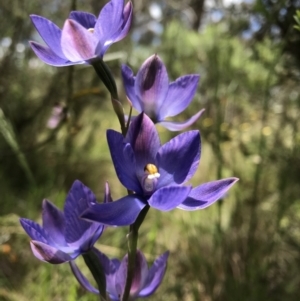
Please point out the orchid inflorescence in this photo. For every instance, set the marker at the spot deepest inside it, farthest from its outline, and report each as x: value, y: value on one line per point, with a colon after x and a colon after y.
x: 154, y: 175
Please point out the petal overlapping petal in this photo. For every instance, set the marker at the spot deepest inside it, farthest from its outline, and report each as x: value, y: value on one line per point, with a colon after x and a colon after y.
x: 179, y: 126
x: 80, y: 233
x: 179, y: 158
x: 49, y: 253
x: 168, y: 198
x: 35, y: 231
x: 151, y: 85
x: 144, y: 140
x: 50, y: 33
x: 77, y: 43
x: 86, y: 20
x: 54, y: 222
x: 122, y: 212
x: 125, y: 167
x: 155, y: 275
x: 49, y: 57
x: 129, y: 85
x: 180, y: 95
x: 206, y: 194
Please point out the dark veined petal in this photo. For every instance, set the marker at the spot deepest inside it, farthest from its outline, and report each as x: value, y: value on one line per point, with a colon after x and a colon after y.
x: 123, y: 160
x: 179, y: 126
x: 35, y: 231
x: 50, y: 33
x: 139, y: 278
x: 48, y: 253
x: 180, y: 95
x: 54, y: 222
x: 77, y: 43
x: 129, y: 80
x: 144, y: 140
x: 49, y: 57
x: 83, y: 281
x: 206, y: 194
x: 151, y: 85
x: 80, y: 233
x: 140, y: 273
x: 155, y: 275
x: 179, y: 158
x: 122, y: 212
x: 168, y: 198
x: 87, y: 20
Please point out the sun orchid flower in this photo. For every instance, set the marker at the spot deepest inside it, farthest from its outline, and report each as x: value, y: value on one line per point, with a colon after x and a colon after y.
x: 145, y: 280
x: 150, y: 92
x: 155, y: 173
x: 83, y: 37
x: 63, y: 235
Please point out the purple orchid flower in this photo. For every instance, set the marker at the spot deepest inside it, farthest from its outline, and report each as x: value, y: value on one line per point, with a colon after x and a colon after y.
x: 83, y: 37
x: 155, y: 174
x: 145, y: 280
x: 150, y: 92
x: 64, y: 236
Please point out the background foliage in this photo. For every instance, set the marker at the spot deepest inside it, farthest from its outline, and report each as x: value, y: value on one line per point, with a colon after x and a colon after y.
x: 247, y: 246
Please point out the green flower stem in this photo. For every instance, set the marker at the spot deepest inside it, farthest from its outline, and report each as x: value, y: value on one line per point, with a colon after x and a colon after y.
x: 108, y: 80
x: 93, y: 263
x: 132, y: 247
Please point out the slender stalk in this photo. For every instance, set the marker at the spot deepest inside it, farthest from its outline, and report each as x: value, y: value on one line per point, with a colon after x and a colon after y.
x: 132, y: 247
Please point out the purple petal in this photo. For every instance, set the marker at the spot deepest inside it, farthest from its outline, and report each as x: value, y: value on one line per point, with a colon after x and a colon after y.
x: 54, y: 222
x: 48, y: 253
x: 127, y: 19
x: 139, y: 278
x: 119, y: 213
x: 140, y: 273
x: 35, y: 231
x: 78, y: 44
x: 49, y: 57
x: 121, y: 275
x: 144, y: 140
x: 110, y: 19
x: 129, y: 80
x: 118, y: 31
x: 87, y: 20
x: 110, y: 267
x: 155, y: 276
x: 123, y: 160
x: 151, y: 86
x: 179, y: 158
x: 83, y: 281
x: 206, y: 194
x: 107, y: 195
x: 80, y: 233
x: 180, y: 94
x: 168, y: 198
x: 179, y: 126
x: 50, y: 33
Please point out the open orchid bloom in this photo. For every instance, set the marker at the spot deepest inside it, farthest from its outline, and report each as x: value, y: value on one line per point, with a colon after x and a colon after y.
x: 150, y: 92
x: 83, y: 37
x: 155, y: 173
x: 145, y: 280
x: 63, y: 235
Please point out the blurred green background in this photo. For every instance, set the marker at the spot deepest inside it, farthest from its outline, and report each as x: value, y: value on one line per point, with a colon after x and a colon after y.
x: 247, y: 246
